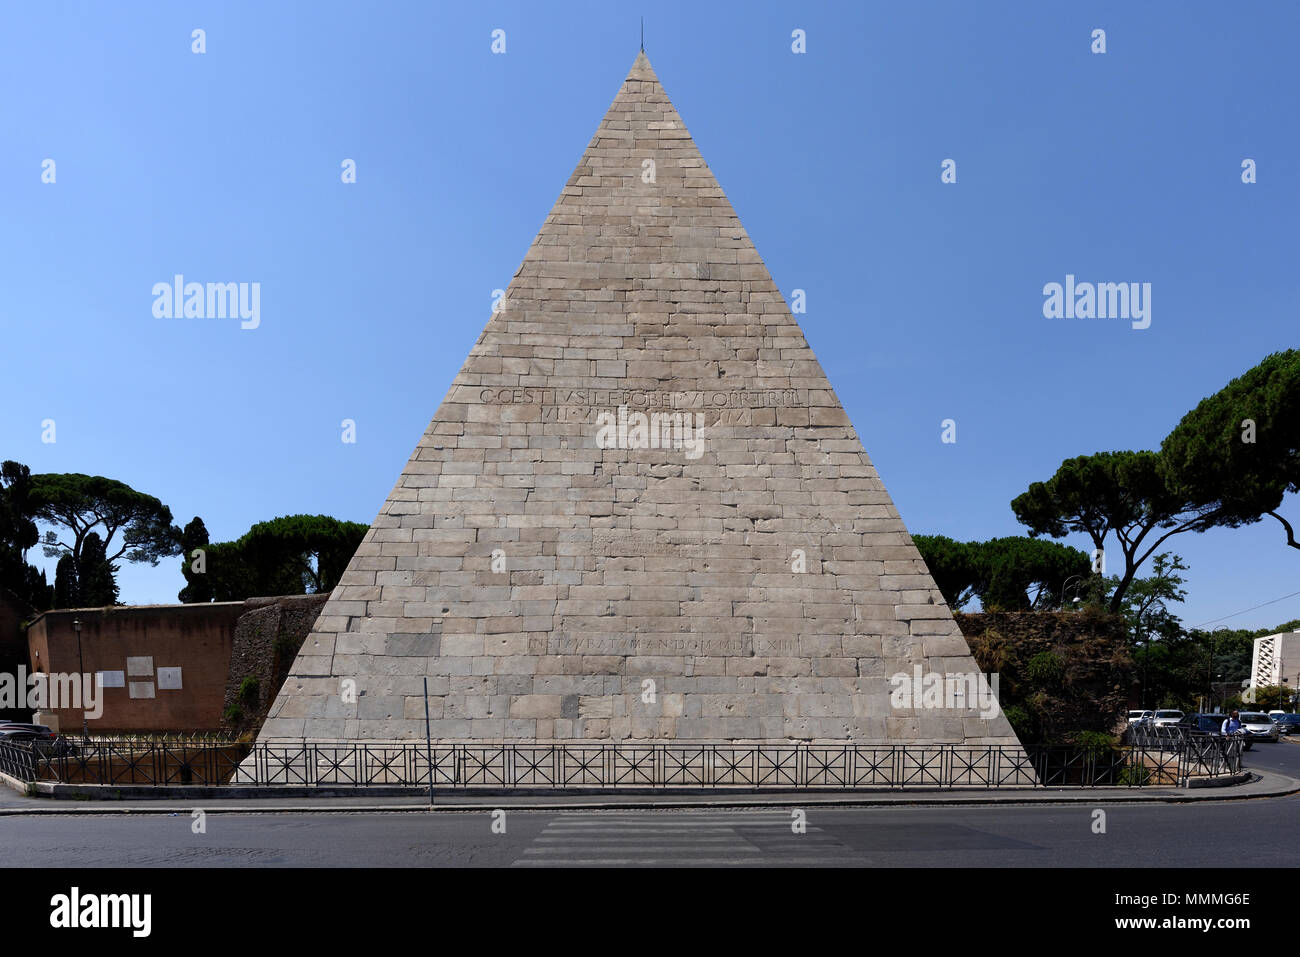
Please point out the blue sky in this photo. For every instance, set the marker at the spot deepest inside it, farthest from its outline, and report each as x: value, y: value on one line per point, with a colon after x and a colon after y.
x: 924, y: 299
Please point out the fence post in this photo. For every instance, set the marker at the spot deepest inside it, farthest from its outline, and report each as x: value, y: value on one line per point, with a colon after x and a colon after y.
x: 428, y: 740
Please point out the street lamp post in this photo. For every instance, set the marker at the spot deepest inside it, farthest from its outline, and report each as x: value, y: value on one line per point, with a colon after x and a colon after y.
x: 81, y: 666
x: 1067, y: 585
x: 1209, y: 666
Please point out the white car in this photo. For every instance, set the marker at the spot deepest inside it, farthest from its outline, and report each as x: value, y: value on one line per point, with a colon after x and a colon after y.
x: 1167, y: 719
x: 1140, y: 717
x: 1259, y: 725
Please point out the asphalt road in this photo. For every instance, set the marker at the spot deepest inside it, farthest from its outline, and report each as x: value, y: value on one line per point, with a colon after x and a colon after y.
x: 1202, y: 834
x: 1283, y: 756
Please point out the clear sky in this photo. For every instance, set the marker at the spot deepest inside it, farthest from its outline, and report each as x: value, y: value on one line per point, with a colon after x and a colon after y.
x: 924, y: 299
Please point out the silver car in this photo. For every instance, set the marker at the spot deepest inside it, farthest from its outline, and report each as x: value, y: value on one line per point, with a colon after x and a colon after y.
x: 1259, y: 725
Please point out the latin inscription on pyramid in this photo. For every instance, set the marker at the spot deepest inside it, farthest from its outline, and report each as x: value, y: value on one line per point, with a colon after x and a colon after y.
x: 640, y: 513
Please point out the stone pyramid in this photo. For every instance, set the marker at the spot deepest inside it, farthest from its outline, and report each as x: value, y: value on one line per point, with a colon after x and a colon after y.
x: 640, y: 513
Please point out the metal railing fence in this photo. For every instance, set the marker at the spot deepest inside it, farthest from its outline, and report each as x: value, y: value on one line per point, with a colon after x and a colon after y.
x: 1155, y: 761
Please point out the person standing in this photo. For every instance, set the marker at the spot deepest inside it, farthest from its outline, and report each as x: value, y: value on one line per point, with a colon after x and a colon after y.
x: 1232, y: 726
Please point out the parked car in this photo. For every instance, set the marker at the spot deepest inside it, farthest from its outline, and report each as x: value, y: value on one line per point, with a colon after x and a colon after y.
x: 1140, y: 717
x: 1201, y: 723
x: 1287, y: 723
x: 39, y: 736
x: 1259, y: 725
x: 1166, y: 719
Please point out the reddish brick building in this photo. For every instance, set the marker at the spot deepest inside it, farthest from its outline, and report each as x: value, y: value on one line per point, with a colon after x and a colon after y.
x: 161, y: 667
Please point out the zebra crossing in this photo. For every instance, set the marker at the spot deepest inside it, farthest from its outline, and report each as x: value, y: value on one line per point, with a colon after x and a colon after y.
x: 728, y: 838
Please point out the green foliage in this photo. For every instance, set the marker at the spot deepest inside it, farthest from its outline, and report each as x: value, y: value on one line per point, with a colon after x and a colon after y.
x: 1021, y: 722
x: 1182, y: 668
x: 1120, y: 493
x: 82, y: 507
x: 96, y: 582
x: 18, y: 533
x: 1010, y: 567
x: 1228, y: 462
x: 1006, y: 574
x: 67, y: 593
x: 1045, y: 669
x: 1269, y: 698
x: 198, y: 586
x: 1058, y: 674
x: 1212, y: 459
x: 1094, y: 494
x: 291, y: 555
x: 1096, y: 743
x: 1145, y: 603
x: 234, y: 714
x: 88, y: 584
x: 1134, y: 774
x: 951, y: 565
x: 249, y: 690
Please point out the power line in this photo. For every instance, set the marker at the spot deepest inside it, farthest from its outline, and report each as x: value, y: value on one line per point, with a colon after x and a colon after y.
x: 1244, y: 610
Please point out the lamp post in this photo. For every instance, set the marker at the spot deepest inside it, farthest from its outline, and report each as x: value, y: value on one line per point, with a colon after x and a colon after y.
x: 81, y: 667
x: 1067, y: 585
x: 1220, y: 677
x: 1209, y: 666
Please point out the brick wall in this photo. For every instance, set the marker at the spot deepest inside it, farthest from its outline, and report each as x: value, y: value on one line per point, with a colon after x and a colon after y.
x: 152, y: 649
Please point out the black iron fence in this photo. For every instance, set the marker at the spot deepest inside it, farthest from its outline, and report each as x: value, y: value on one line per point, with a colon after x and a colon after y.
x: 1162, y: 762
x: 1200, y: 753
x: 146, y: 738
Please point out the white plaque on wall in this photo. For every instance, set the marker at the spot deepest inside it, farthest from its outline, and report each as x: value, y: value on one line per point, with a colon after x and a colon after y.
x: 139, y: 666
x: 112, y: 679
x: 169, y: 679
x: 141, y: 689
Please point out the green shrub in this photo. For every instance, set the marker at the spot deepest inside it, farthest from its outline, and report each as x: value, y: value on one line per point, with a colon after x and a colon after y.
x: 249, y: 690
x: 1136, y: 774
x: 1096, y: 743
x: 1021, y: 722
x: 1045, y: 668
x: 234, y: 714
x: 286, y: 647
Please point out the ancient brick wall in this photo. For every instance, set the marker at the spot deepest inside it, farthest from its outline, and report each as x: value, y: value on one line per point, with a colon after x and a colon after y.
x: 267, y: 638
x: 1067, y: 671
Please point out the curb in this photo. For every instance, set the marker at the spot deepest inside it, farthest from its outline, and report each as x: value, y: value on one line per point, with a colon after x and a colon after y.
x: 1279, y: 785
x: 1225, y: 782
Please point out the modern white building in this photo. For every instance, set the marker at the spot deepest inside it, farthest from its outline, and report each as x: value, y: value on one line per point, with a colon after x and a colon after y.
x: 1276, y: 659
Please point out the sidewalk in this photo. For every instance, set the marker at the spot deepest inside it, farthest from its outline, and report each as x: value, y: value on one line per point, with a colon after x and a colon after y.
x: 1261, y: 784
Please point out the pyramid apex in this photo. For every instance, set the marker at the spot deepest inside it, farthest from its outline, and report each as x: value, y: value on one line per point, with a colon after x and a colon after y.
x: 641, y: 68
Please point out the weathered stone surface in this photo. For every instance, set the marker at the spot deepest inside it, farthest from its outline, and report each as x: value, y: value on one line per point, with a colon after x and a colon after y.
x: 557, y: 585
